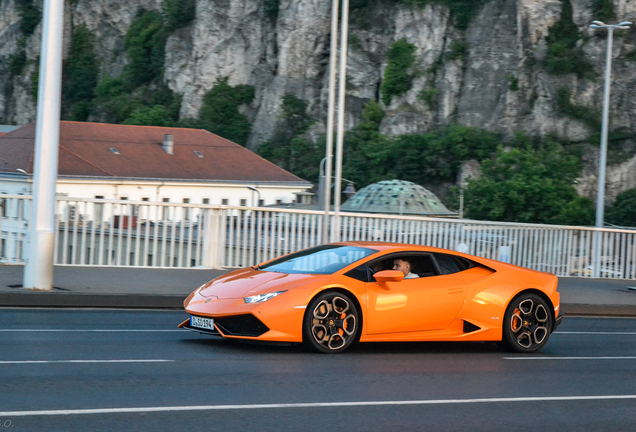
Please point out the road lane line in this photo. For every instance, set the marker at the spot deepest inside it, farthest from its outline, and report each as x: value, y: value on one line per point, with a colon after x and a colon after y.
x: 573, y: 358
x: 83, y: 361
x: 596, y: 333
x: 84, y: 330
x: 310, y: 405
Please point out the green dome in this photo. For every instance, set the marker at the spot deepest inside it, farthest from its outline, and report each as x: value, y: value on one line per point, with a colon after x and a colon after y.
x: 396, y: 197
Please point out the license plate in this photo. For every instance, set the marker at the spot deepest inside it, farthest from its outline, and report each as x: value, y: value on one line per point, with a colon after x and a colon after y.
x: 205, y: 323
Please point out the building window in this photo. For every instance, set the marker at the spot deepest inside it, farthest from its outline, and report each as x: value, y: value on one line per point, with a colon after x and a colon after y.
x: 165, y: 214
x: 72, y: 213
x: 3, y: 206
x: 225, y: 201
x: 261, y: 202
x: 279, y: 202
x: 206, y: 201
x: 243, y: 202
x: 186, y: 210
x: 99, y: 210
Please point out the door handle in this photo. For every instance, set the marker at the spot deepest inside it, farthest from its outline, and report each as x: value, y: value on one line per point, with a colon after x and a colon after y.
x: 455, y: 291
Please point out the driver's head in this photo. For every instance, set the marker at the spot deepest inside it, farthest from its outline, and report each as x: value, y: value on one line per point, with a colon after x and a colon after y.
x: 402, y: 265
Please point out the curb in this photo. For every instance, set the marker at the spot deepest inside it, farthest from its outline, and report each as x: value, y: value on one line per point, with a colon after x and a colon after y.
x: 119, y: 301
x: 599, y: 310
x: 152, y: 301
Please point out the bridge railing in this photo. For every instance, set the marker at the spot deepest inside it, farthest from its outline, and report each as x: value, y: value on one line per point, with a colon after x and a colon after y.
x: 122, y: 233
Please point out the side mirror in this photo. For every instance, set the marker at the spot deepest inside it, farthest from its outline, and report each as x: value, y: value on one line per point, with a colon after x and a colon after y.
x: 384, y: 276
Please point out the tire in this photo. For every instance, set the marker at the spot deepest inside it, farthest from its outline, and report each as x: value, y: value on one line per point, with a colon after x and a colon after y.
x: 527, y: 324
x: 331, y: 323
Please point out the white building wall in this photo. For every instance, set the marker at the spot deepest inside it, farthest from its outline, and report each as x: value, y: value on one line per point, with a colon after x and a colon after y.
x: 156, y: 191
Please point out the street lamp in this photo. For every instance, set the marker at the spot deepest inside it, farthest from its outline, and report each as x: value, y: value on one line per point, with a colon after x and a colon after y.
x: 600, y: 198
x: 252, y: 188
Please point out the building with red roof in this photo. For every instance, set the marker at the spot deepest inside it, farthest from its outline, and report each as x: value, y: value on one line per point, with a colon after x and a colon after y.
x: 148, y: 163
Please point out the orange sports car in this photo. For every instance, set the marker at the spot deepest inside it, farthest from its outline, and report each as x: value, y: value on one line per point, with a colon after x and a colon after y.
x: 333, y: 295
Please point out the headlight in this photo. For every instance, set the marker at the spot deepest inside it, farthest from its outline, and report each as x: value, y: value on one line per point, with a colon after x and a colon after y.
x: 260, y: 298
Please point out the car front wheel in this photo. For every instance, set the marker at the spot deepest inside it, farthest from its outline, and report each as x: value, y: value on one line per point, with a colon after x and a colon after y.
x: 527, y: 323
x: 331, y: 323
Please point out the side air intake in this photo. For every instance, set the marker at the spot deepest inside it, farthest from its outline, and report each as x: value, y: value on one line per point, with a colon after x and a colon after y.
x: 470, y: 327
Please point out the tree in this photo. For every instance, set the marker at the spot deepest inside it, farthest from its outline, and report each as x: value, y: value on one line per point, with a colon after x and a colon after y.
x: 220, y: 111
x: 529, y: 185
x: 287, y: 148
x: 147, y: 116
x: 623, y: 211
x: 398, y: 76
x: 80, y: 75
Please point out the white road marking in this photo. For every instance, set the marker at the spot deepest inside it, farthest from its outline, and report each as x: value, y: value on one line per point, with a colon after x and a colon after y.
x: 84, y: 330
x: 596, y: 333
x: 83, y: 361
x: 310, y: 405
x: 573, y: 358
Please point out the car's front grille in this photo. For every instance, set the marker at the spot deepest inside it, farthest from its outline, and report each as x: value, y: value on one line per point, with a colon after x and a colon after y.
x: 241, y: 325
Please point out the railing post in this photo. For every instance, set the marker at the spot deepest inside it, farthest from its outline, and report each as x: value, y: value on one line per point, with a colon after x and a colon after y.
x: 211, y: 238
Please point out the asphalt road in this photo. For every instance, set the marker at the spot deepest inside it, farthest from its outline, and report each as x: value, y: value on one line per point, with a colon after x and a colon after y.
x: 80, y: 370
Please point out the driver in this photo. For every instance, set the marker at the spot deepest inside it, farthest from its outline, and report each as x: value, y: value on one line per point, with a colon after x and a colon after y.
x: 405, y: 266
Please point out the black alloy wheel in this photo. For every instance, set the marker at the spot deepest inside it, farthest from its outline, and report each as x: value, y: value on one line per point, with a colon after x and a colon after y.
x: 528, y: 323
x: 331, y: 323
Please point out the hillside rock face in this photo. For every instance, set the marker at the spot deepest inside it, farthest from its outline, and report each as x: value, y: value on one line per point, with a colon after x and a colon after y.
x: 289, y: 53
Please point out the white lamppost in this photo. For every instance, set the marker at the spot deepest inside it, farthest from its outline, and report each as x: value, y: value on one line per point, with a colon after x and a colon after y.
x: 344, y: 22
x: 600, y: 198
x: 253, y: 189
x: 38, y: 270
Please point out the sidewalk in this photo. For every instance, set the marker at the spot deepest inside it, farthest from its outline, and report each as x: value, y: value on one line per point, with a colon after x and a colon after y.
x: 112, y: 287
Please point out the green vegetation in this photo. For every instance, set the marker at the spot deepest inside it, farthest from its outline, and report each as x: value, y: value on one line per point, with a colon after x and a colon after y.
x: 529, y: 184
x: 220, y: 112
x: 288, y: 148
x: 398, y: 76
x: 139, y: 94
x: 458, y: 51
x: 30, y: 16
x: 588, y: 116
x: 365, y: 148
x: 603, y: 10
x: 429, y: 96
x: 563, y: 56
x: 271, y: 9
x: 17, y: 61
x: 145, y: 46
x: 514, y: 83
x: 436, y: 156
x: 462, y: 10
x: 150, y: 116
x: 80, y: 76
x: 354, y: 42
x: 623, y: 211
x: 178, y: 13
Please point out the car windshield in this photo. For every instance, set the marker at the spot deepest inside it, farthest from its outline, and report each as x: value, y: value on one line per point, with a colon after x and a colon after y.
x: 326, y: 259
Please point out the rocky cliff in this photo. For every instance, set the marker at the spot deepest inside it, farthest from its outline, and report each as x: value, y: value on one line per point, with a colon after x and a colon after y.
x: 489, y: 74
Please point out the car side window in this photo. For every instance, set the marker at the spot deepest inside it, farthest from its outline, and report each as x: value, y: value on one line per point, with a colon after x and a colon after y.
x: 360, y: 273
x: 447, y: 265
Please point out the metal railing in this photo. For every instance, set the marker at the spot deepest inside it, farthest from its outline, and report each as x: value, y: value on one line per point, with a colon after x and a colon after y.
x: 95, y: 232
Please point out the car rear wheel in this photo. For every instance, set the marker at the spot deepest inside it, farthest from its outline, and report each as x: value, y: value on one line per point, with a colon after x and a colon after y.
x: 527, y: 324
x: 331, y: 323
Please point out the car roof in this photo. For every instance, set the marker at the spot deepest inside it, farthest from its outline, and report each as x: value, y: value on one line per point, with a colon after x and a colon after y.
x: 386, y: 246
